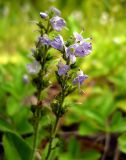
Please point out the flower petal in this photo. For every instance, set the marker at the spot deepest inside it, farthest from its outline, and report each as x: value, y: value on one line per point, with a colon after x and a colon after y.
x: 57, y: 23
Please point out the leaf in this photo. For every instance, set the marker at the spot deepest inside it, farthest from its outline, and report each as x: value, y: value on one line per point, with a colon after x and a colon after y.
x: 94, y: 115
x: 12, y: 106
x: 74, y: 148
x: 87, y: 128
x: 87, y: 112
x: 15, y: 147
x: 22, y: 124
x: 122, y: 103
x: 106, y: 106
x: 122, y: 143
x: 65, y: 156
x: 5, y: 126
x: 118, y: 123
x: 91, y: 155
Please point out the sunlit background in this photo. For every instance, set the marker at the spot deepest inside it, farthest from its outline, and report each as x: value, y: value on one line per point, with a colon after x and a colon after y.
x: 101, y: 108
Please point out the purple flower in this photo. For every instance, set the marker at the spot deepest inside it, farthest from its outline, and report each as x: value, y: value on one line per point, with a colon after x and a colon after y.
x: 55, y: 11
x: 80, y: 78
x: 83, y: 49
x: 72, y: 58
x: 58, y: 43
x: 44, y: 40
x: 25, y: 79
x: 57, y: 23
x: 43, y: 15
x: 78, y: 37
x: 34, y: 67
x: 62, y: 68
x: 71, y: 50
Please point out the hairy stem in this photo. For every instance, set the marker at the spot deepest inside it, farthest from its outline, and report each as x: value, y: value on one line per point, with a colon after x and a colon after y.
x: 36, y: 126
x: 52, y: 136
x: 36, y: 117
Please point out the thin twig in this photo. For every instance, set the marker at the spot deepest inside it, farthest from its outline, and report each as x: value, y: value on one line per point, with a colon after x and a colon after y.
x: 117, y: 153
x: 107, y: 141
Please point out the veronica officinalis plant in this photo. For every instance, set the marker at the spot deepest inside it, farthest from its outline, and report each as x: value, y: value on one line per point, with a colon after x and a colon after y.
x: 68, y: 74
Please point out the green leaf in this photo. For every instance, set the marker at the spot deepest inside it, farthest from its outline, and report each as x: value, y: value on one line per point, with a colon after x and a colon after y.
x: 118, y: 123
x: 122, y: 143
x: 74, y: 148
x: 87, y: 128
x: 65, y: 156
x: 12, y: 106
x: 5, y: 126
x: 106, y: 106
x: 94, y: 115
x: 91, y: 155
x: 15, y: 147
x: 22, y: 124
x: 122, y: 103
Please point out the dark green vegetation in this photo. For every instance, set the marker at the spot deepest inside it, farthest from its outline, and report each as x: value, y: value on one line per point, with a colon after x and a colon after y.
x: 95, y: 124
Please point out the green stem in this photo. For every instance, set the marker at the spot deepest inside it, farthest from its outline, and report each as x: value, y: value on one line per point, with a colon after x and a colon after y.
x: 36, y: 126
x: 53, y: 133
x: 52, y: 136
x: 48, y: 25
x: 41, y: 74
x: 37, y: 116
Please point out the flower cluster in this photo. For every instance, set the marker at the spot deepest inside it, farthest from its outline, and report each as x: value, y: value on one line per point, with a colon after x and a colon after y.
x: 68, y: 73
x: 80, y: 48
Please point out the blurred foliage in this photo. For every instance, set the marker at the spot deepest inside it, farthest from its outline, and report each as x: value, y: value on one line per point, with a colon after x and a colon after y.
x: 102, y: 106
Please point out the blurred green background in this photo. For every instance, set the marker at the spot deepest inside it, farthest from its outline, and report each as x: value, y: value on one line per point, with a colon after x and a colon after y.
x: 102, y: 107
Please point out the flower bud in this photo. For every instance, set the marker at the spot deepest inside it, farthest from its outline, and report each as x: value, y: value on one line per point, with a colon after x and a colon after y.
x: 43, y: 15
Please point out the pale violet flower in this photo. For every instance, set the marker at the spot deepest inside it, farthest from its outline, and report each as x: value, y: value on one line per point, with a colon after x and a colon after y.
x: 80, y: 78
x: 72, y: 58
x: 62, y: 68
x: 71, y: 50
x: 25, y: 79
x: 44, y: 40
x: 58, y: 43
x: 34, y: 67
x: 55, y: 11
x: 57, y: 23
x: 83, y: 49
x: 78, y: 37
x: 79, y: 49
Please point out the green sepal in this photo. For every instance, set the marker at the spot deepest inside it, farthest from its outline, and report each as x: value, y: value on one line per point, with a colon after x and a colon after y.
x: 63, y: 110
x: 73, y: 66
x: 59, y: 79
x: 55, y: 107
x: 69, y: 90
x: 49, y: 57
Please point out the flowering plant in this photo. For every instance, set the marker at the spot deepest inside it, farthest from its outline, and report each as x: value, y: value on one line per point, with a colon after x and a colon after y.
x: 68, y: 74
